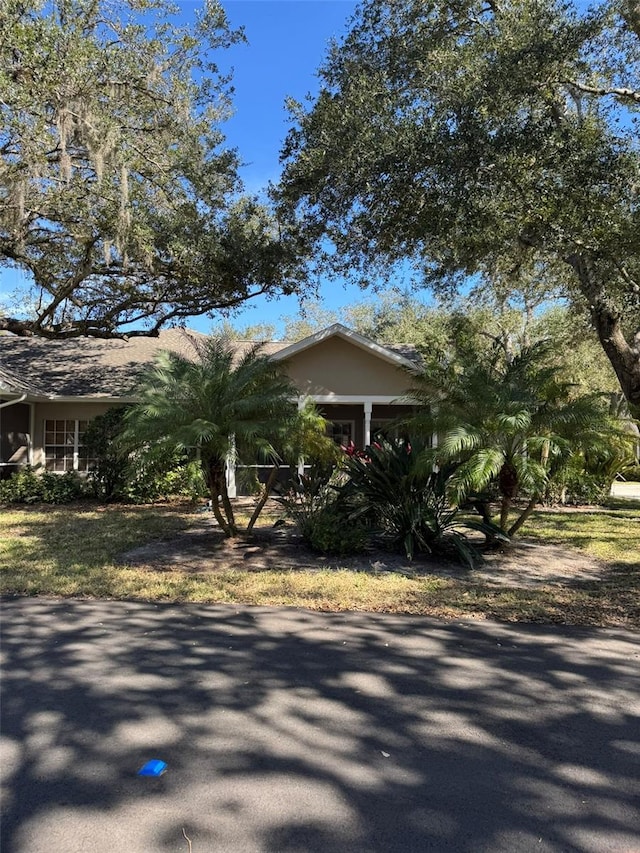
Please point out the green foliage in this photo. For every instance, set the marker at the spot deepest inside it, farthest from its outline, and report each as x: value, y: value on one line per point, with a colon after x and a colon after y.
x: 312, y: 317
x: 493, y: 140
x: 330, y: 532
x: 577, y: 356
x: 119, y: 200
x: 576, y: 487
x: 590, y: 473
x: 157, y: 472
x: 305, y: 436
x: 514, y: 425
x: 110, y: 468
x: 140, y: 474
x: 632, y: 473
x: 396, y: 494
x: 312, y: 503
x: 227, y: 408
x: 28, y: 487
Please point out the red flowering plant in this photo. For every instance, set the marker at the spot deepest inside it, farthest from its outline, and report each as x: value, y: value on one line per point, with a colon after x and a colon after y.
x: 354, y: 452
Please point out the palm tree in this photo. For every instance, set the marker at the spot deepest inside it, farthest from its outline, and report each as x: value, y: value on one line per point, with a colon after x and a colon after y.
x: 509, y: 424
x: 227, y: 407
x: 302, y: 435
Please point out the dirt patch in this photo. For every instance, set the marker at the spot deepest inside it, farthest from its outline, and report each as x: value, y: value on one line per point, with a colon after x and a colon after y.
x: 203, y: 549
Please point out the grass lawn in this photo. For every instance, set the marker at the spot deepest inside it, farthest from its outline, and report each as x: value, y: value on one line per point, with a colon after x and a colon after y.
x: 72, y: 551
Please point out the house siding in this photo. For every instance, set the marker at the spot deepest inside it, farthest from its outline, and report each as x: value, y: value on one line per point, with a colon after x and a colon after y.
x: 66, y: 380
x: 336, y: 366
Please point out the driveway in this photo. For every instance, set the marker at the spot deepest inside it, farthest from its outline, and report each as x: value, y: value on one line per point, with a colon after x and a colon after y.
x: 286, y: 730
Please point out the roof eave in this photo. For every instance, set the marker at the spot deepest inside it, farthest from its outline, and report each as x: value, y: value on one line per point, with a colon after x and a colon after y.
x: 89, y: 398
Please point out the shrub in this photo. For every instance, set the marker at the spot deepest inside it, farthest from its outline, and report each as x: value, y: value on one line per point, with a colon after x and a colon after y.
x: 311, y: 502
x: 632, y: 473
x: 141, y: 474
x: 579, y: 483
x: 28, y: 487
x: 110, y: 466
x: 156, y: 472
x: 394, y: 488
x: 330, y: 532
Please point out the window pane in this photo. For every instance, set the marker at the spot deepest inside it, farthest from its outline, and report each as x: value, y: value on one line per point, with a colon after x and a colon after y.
x: 58, y: 445
x: 341, y: 432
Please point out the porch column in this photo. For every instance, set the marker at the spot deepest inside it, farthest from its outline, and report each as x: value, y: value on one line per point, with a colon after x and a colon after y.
x: 230, y: 471
x: 301, y: 401
x: 368, y: 408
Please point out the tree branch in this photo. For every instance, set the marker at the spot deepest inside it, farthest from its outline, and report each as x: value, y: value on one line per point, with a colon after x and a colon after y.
x: 623, y: 94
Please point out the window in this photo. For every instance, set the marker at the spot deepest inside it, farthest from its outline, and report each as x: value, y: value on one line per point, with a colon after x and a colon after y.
x: 342, y: 432
x: 63, y: 449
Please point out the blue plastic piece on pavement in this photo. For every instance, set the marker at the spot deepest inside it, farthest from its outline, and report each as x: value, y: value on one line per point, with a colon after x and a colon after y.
x: 155, y: 767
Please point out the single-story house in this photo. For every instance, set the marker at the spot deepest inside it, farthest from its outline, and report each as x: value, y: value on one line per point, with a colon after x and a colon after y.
x: 50, y: 389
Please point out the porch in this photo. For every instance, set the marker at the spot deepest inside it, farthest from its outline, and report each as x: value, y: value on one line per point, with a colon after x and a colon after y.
x: 350, y: 418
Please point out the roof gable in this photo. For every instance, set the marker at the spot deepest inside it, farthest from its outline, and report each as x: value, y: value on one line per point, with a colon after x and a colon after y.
x: 386, y: 353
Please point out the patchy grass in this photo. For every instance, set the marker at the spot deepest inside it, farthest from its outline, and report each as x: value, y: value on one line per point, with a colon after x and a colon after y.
x: 72, y: 551
x: 611, y: 534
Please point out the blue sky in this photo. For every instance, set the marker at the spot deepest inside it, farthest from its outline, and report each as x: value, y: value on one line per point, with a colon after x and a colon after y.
x: 287, y: 40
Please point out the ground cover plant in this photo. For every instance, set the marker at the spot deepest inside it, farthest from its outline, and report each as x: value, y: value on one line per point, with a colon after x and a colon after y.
x: 74, y: 551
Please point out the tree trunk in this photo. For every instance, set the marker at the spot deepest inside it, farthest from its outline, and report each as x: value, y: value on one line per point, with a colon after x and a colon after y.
x: 524, y: 516
x: 228, y: 508
x: 505, y: 506
x: 214, y: 475
x: 263, y: 497
x: 508, y: 485
x: 607, y: 319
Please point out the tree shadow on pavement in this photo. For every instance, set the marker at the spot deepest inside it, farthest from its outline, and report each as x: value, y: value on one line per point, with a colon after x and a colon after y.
x: 286, y: 730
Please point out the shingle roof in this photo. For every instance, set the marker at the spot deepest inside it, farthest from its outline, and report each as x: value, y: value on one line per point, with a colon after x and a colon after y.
x: 87, y: 366
x: 103, y: 368
x: 11, y: 384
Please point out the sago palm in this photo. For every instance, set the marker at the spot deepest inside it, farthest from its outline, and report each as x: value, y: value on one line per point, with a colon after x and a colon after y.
x: 227, y: 407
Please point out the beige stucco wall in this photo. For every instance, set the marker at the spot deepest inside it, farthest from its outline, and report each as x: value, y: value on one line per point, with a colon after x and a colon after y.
x: 61, y: 411
x: 336, y: 366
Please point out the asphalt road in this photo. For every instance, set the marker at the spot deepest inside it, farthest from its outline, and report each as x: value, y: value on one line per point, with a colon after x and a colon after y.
x: 285, y: 731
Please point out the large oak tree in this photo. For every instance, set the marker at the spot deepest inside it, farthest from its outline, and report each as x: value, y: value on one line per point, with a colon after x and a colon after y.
x: 118, y: 199
x: 491, y: 139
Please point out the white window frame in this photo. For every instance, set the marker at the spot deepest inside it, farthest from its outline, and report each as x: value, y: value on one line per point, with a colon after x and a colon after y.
x: 75, y: 456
